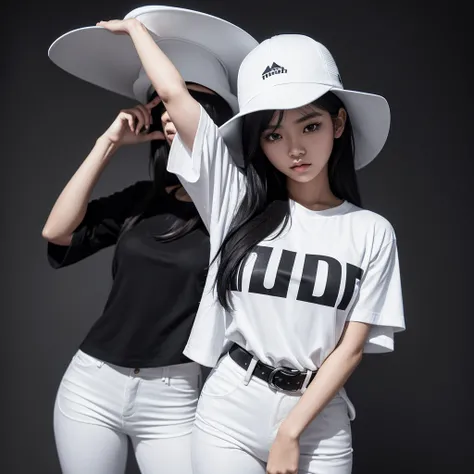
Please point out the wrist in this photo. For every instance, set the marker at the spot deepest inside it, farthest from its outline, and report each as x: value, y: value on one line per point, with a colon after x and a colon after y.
x: 134, y: 25
x: 289, y: 431
x: 107, y: 146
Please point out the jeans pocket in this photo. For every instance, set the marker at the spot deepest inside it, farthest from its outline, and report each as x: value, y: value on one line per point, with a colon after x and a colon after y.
x: 185, y: 384
x: 221, y: 383
x: 84, y: 360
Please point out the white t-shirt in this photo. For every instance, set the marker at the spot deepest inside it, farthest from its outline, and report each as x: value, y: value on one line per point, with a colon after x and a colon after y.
x: 294, y: 293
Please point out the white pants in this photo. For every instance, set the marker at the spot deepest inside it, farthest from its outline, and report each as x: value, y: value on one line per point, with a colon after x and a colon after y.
x: 98, y: 405
x: 237, y: 423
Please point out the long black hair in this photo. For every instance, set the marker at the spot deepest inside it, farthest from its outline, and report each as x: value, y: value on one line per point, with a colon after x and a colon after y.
x: 219, y: 111
x: 265, y: 206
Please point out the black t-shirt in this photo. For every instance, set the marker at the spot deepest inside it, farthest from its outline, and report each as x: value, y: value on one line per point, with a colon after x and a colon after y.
x: 156, y: 287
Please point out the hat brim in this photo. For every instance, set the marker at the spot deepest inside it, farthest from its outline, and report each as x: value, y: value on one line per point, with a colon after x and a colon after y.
x: 369, y: 114
x: 110, y: 61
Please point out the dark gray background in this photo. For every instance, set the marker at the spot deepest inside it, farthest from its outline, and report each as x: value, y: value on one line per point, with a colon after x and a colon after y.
x: 414, y: 408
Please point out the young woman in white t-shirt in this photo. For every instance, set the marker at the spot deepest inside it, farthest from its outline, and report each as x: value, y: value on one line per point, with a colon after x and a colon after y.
x: 303, y: 280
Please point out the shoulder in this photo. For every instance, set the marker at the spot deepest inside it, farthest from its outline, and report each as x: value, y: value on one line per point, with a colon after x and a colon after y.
x: 138, y: 191
x: 124, y: 199
x: 142, y: 186
x: 377, y: 227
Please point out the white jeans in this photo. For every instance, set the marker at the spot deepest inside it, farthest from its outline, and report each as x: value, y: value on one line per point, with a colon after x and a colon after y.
x: 99, y: 404
x: 237, y: 423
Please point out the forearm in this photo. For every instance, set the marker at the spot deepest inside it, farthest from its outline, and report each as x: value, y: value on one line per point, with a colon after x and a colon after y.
x: 329, y: 379
x: 71, y: 205
x: 165, y: 78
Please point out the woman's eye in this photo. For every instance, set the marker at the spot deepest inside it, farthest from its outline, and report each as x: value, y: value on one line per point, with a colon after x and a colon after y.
x: 312, y: 127
x: 271, y: 137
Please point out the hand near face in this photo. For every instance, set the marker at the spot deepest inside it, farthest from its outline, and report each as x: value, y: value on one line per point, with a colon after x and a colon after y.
x: 131, y: 126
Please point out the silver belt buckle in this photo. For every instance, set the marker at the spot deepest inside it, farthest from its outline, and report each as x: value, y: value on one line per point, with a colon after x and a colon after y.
x: 289, y: 372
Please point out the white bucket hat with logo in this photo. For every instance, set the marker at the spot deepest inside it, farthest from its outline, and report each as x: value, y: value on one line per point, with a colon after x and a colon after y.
x: 205, y: 49
x: 289, y: 71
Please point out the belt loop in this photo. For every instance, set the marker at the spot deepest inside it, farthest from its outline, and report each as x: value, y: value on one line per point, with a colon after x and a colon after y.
x: 166, y: 375
x: 249, y: 373
x: 306, y: 381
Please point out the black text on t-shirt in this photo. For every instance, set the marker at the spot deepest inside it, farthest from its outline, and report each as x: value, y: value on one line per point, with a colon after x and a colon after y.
x: 307, y: 280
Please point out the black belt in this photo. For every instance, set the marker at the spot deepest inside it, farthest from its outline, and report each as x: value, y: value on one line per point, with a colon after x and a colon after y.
x: 279, y: 378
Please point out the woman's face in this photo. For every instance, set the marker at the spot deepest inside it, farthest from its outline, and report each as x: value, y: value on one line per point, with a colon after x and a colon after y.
x: 300, y: 146
x: 168, y: 126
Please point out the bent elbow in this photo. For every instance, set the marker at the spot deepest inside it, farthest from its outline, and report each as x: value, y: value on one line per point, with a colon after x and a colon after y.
x: 55, y: 238
x: 47, y: 234
x: 173, y: 93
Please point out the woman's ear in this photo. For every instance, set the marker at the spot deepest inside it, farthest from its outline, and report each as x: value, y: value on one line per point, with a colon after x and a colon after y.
x: 340, y: 122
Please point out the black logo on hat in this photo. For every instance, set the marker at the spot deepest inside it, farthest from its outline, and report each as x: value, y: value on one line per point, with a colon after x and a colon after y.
x: 274, y: 69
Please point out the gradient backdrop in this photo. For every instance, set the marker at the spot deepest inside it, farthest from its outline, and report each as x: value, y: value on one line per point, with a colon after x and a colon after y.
x: 414, y: 408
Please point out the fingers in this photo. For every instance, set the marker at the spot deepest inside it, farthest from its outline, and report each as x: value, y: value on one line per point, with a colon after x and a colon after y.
x: 143, y: 118
x: 115, y: 26
x: 148, y: 137
x: 139, y: 118
x: 108, y: 23
x: 153, y: 103
x: 129, y: 117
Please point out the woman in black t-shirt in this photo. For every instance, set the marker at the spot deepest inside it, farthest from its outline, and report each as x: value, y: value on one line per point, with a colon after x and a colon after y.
x: 130, y: 378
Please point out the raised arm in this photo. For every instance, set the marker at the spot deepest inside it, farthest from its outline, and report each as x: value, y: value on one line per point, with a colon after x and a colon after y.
x: 198, y: 156
x: 182, y: 108
x: 71, y: 206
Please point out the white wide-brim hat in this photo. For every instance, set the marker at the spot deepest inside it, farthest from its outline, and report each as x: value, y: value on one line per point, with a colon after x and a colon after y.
x: 289, y: 71
x: 205, y: 49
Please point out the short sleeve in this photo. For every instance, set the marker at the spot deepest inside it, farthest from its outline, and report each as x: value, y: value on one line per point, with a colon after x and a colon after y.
x: 101, y: 225
x: 380, y: 300
x: 208, y: 174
